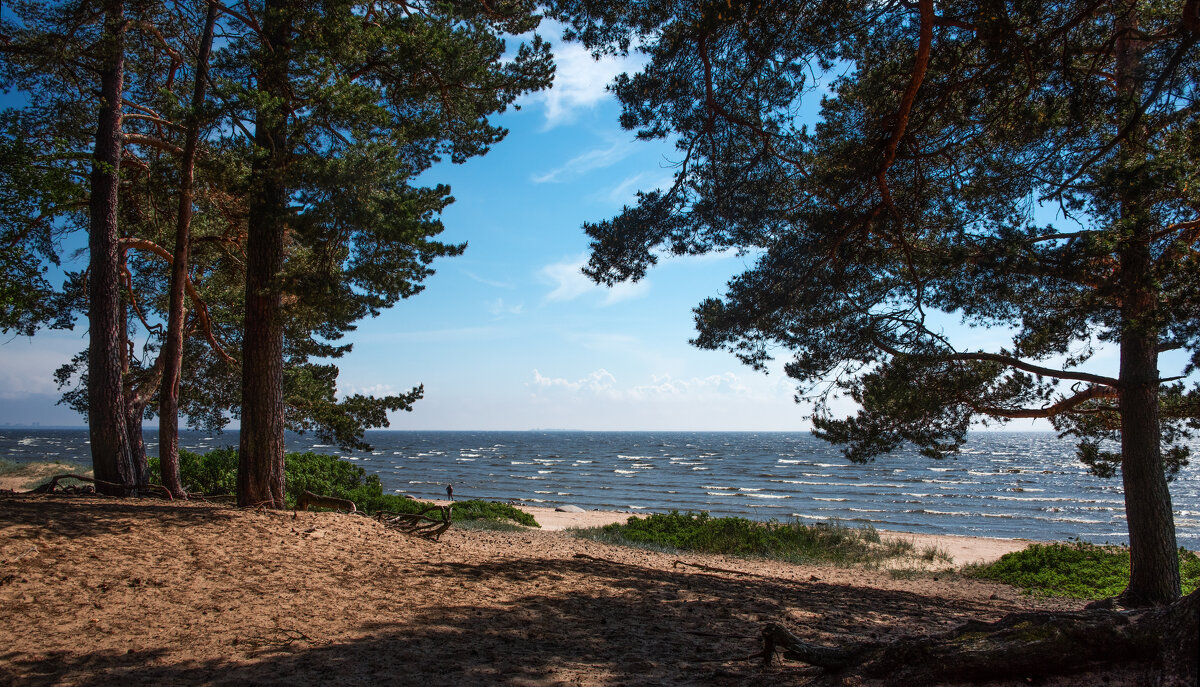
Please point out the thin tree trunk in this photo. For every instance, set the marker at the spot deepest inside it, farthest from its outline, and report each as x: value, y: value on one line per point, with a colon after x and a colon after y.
x: 168, y: 412
x: 260, y: 457
x: 1154, y: 563
x: 137, y: 447
x: 133, y: 403
x: 111, y: 457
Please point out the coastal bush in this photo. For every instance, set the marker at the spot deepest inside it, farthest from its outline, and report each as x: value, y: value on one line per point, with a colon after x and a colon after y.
x: 212, y: 474
x: 476, y: 509
x: 329, y: 476
x: 791, y: 541
x: 215, y: 473
x: 35, y: 473
x: 1075, y: 569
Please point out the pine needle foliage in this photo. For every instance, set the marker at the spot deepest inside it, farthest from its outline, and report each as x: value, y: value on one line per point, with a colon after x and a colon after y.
x: 891, y: 169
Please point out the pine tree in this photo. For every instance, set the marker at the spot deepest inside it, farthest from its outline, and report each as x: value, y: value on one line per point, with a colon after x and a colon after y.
x: 348, y: 103
x: 945, y: 134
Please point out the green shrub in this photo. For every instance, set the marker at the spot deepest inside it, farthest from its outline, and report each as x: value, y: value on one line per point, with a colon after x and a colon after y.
x: 215, y: 473
x: 212, y: 474
x: 327, y: 476
x: 790, y: 541
x: 490, y: 510
x: 1076, y: 569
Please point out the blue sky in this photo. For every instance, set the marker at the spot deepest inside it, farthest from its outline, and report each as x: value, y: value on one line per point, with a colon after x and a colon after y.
x: 511, y: 335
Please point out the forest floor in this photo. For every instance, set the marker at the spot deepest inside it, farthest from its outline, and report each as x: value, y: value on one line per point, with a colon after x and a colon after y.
x: 105, y: 591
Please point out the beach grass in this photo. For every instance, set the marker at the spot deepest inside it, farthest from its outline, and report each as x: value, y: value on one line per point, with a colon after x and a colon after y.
x: 1075, y: 569
x: 41, y: 472
x: 215, y: 473
x: 794, y: 542
x: 11, y: 467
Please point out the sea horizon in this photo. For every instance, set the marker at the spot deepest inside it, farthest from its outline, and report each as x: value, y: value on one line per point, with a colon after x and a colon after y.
x: 1008, y: 484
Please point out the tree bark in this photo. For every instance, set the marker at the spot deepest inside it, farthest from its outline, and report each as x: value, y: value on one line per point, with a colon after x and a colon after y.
x: 1154, y: 563
x: 133, y: 402
x: 1162, y: 641
x: 261, y: 452
x: 172, y: 353
x: 111, y: 457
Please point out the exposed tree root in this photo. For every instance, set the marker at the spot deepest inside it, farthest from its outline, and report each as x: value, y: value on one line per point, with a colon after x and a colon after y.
x: 418, y: 524
x: 52, y: 486
x: 708, y: 568
x: 309, y: 499
x: 1020, y: 645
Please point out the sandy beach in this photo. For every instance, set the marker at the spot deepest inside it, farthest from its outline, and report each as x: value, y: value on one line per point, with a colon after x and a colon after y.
x: 963, y: 550
x: 100, y: 591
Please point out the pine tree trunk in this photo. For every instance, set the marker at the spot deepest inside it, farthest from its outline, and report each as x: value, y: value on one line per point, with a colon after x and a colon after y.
x: 168, y: 411
x: 133, y: 402
x: 260, y: 458
x: 137, y: 446
x: 111, y: 457
x: 1154, y: 563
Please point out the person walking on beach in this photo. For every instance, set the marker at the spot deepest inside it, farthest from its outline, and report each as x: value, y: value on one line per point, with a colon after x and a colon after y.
x: 450, y: 491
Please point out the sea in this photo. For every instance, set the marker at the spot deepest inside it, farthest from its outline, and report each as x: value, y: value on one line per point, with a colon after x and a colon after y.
x: 1003, y: 484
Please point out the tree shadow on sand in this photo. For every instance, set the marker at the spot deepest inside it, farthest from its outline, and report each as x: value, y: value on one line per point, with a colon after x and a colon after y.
x: 625, y: 624
x: 82, y: 516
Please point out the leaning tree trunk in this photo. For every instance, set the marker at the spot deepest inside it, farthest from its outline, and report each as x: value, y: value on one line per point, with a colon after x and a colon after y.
x: 261, y: 453
x: 134, y: 403
x: 172, y: 353
x: 1154, y: 564
x: 111, y: 458
x: 1162, y: 642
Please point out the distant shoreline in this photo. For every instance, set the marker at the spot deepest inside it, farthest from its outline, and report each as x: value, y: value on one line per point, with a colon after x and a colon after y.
x: 228, y: 430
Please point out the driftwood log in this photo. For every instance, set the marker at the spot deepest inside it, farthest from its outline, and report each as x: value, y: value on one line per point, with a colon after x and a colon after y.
x: 418, y: 524
x: 52, y: 486
x: 1018, y: 646
x: 308, y: 499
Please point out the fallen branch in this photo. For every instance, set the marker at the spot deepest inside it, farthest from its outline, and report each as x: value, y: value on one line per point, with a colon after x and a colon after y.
x: 417, y: 524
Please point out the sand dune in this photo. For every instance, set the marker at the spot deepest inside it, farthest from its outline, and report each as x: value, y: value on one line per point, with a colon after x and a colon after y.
x: 97, y: 591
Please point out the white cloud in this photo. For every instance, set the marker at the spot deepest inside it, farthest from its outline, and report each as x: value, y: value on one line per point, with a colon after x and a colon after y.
x: 580, y: 81
x: 723, y: 387
x: 498, y: 307
x: 27, y: 365
x: 586, y: 162
x: 372, y: 390
x: 727, y: 383
x: 626, y: 191
x: 570, y: 283
x: 625, y: 291
x: 488, y: 282
x: 600, y: 381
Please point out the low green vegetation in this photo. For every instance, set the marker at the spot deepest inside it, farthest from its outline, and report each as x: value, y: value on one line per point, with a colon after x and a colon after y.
x: 36, y: 472
x: 12, y: 467
x: 790, y: 541
x: 211, y: 474
x: 1075, y: 569
x: 8, y: 467
x: 215, y: 474
x: 491, y: 510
